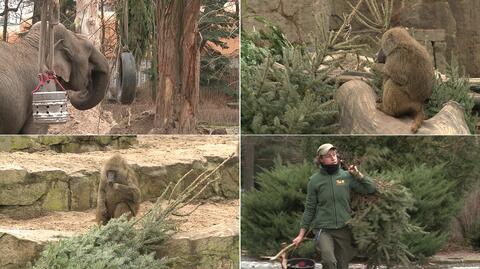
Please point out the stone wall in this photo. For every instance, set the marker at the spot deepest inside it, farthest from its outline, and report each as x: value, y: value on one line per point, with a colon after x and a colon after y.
x: 26, y: 194
x: 297, y: 19
x: 66, y: 144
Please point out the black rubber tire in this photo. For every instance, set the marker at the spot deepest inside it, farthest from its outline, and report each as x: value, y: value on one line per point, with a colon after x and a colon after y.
x: 475, y: 88
x: 127, y: 79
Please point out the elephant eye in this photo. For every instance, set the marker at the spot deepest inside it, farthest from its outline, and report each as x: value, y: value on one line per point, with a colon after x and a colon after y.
x: 68, y: 53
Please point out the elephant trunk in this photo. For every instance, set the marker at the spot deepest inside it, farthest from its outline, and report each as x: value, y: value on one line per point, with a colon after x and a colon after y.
x: 95, y: 90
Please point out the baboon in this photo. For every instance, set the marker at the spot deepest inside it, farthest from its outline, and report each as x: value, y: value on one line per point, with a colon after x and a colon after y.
x: 118, y: 191
x: 408, y: 75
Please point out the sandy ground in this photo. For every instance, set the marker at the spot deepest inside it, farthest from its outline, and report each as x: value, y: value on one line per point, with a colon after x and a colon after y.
x: 136, y: 118
x: 217, y: 216
x: 458, y: 256
x: 92, y: 121
x: 150, y: 151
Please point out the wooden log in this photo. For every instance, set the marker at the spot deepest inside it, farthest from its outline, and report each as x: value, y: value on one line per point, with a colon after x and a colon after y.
x: 473, y: 81
x: 358, y: 115
x: 476, y: 98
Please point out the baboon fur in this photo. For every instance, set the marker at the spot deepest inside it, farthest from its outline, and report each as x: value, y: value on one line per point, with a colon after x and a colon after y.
x: 119, y: 195
x: 408, y: 75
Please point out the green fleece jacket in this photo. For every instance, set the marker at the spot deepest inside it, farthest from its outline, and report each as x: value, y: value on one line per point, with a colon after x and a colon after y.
x: 328, y: 198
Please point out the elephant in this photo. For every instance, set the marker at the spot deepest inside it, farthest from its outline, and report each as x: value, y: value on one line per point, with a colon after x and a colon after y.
x: 81, y: 69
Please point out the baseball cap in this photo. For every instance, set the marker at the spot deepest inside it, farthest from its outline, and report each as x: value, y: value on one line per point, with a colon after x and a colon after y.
x: 323, y: 149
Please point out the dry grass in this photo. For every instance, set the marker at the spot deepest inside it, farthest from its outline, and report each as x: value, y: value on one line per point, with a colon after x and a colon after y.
x: 213, y: 108
x: 143, y: 102
x: 214, y: 114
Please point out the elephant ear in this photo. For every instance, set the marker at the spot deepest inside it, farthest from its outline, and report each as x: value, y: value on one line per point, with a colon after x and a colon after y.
x: 62, y: 61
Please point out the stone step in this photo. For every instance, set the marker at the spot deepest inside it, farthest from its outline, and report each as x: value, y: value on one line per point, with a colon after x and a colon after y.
x: 73, y: 144
x: 208, y: 238
x: 32, y: 184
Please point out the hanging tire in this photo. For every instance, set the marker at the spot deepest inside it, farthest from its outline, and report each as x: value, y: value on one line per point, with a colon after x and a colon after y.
x: 127, y: 79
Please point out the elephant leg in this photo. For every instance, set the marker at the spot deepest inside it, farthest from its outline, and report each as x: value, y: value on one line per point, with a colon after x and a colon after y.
x: 33, y: 128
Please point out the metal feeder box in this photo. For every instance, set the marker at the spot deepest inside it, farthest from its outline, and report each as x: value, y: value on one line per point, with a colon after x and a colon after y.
x: 50, y: 107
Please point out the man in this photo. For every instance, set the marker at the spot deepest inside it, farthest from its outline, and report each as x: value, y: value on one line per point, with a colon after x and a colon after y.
x: 327, y: 208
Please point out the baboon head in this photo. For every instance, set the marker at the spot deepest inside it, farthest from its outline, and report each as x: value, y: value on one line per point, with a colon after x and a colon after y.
x: 394, y: 38
x: 116, y: 170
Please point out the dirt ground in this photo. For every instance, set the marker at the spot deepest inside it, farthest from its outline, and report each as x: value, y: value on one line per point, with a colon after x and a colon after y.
x: 459, y: 256
x: 214, y: 216
x: 113, y: 118
x: 92, y: 121
x: 150, y: 151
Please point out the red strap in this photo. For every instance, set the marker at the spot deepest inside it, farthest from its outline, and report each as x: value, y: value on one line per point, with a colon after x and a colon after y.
x: 45, y: 77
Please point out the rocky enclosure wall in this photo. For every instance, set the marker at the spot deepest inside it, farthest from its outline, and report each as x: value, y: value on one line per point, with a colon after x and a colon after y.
x: 29, y: 193
x: 66, y: 144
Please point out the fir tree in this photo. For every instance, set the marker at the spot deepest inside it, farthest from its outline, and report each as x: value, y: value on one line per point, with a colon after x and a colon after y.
x: 141, y: 27
x: 455, y: 88
x: 288, y: 98
x: 435, y: 206
x: 271, y: 214
x: 216, y: 25
x: 286, y: 88
x: 380, y: 222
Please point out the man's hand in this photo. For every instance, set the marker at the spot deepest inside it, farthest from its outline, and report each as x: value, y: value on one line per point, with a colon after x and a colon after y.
x: 299, y: 237
x: 352, y: 169
x: 297, y: 240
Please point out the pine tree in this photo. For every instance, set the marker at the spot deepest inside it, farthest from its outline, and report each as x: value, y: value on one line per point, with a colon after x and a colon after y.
x: 215, y: 24
x: 271, y: 214
x: 283, y: 93
x: 457, y: 89
x: 115, y: 245
x: 289, y: 88
x: 380, y: 222
x: 141, y: 27
x: 436, y: 203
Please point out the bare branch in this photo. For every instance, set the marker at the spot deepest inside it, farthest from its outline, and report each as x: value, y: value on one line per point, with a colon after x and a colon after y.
x: 7, y: 9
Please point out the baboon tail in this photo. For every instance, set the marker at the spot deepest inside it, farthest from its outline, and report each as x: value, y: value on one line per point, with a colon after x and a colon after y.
x: 418, y: 120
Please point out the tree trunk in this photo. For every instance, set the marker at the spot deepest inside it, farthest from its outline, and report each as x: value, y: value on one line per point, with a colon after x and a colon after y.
x: 178, y: 66
x: 248, y: 163
x: 358, y: 115
x: 87, y: 21
x: 103, y: 25
x: 5, y: 21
